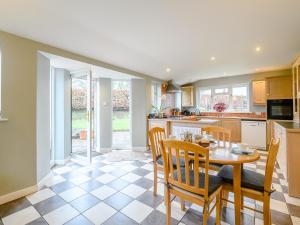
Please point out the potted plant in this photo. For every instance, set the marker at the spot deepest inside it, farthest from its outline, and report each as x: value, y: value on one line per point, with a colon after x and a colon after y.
x: 159, y: 110
x: 220, y: 107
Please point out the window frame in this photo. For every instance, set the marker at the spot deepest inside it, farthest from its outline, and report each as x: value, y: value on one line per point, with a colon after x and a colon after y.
x: 156, y: 94
x: 230, y: 87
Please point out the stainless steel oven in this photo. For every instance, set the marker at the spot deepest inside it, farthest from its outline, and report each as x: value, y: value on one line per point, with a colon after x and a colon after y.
x: 280, y: 109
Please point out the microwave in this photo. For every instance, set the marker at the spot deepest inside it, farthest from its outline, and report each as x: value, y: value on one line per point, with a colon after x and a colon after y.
x: 280, y: 109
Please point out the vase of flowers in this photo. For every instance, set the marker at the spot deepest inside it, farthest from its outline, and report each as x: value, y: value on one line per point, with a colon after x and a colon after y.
x: 220, y: 107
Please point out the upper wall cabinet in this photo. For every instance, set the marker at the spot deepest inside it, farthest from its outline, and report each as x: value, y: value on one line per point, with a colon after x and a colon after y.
x: 187, y: 96
x: 259, y: 92
x: 279, y: 87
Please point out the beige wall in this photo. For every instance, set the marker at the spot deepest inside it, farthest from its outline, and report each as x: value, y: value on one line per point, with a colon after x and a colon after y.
x: 19, y: 87
x: 18, y: 135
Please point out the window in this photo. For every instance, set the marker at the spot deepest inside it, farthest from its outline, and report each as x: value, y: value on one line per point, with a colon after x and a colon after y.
x: 205, y: 101
x: 235, y: 97
x: 156, y: 94
x: 178, y: 100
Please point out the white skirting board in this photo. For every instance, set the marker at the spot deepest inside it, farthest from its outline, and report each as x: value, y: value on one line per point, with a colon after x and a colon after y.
x: 62, y: 162
x: 24, y: 192
x: 18, y: 194
x: 105, y: 150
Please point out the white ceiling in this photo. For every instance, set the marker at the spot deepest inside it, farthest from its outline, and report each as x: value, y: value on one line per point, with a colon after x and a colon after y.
x: 76, y: 66
x: 149, y: 36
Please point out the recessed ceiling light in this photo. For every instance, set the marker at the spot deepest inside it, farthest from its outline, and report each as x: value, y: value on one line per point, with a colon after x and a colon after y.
x: 258, y: 49
x: 168, y: 70
x: 212, y: 58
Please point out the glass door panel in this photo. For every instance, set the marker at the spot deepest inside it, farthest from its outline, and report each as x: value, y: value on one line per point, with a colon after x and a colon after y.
x: 121, y: 114
x: 81, y: 116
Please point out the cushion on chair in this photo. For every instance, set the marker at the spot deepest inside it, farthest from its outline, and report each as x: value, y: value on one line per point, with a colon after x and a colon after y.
x: 181, y: 161
x: 249, y: 179
x: 214, y: 181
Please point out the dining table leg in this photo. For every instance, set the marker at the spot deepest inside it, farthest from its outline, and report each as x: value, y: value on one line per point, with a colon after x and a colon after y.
x: 237, y: 192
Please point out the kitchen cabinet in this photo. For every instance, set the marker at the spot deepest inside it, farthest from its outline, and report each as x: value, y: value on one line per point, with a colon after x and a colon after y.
x: 187, y: 97
x: 288, y: 153
x: 279, y: 132
x: 159, y: 123
x: 279, y: 87
x: 259, y: 92
x: 270, y: 130
x: 234, y: 125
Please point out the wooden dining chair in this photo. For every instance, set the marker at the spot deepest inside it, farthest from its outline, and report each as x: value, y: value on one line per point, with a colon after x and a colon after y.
x: 188, y: 183
x: 156, y: 135
x: 255, y: 185
x: 223, y: 136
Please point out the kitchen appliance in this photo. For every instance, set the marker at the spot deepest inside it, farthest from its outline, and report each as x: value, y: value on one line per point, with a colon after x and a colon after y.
x: 280, y: 109
x: 172, y: 87
x: 187, y: 112
x: 254, y: 133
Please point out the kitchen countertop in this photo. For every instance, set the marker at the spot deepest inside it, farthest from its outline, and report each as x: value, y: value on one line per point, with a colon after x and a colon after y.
x: 218, y: 118
x: 289, y: 126
x: 236, y: 117
x: 203, y: 120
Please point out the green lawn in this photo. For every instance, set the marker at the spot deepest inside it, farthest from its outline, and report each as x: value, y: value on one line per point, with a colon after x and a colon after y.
x: 79, y: 120
x: 120, y: 120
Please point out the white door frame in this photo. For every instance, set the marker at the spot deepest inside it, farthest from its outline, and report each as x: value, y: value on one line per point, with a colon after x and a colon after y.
x: 88, y: 74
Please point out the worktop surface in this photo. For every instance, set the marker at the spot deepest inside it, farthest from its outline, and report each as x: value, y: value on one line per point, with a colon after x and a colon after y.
x: 289, y: 126
x: 201, y: 120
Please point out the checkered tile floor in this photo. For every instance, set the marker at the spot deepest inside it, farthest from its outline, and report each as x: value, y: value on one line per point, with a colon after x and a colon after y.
x: 120, y: 193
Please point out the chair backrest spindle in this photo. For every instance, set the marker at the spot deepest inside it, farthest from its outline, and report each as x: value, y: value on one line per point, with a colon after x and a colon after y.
x: 220, y: 134
x: 156, y: 135
x: 186, y: 151
x: 270, y: 164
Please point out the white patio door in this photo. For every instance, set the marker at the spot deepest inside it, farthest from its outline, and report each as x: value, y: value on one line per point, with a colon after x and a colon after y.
x: 82, y: 115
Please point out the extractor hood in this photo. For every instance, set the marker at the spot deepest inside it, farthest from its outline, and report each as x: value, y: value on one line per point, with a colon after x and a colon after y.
x: 172, y: 87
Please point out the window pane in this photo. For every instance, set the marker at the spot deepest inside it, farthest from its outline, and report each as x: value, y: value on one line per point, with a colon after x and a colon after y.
x: 221, y: 99
x: 240, y: 99
x: 156, y: 94
x: 221, y: 90
x: 153, y: 94
x: 239, y: 91
x: 205, y: 100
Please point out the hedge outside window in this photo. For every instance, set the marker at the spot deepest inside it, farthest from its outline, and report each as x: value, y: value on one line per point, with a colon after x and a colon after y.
x: 235, y: 97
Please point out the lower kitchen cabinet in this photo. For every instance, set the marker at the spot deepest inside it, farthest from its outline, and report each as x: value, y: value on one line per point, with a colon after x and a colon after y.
x: 289, y: 154
x: 234, y: 125
x: 279, y: 132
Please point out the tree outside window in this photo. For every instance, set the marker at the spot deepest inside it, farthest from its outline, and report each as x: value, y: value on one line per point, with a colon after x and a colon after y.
x: 235, y: 97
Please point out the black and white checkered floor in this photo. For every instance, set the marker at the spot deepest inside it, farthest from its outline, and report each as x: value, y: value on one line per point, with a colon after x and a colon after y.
x: 120, y: 193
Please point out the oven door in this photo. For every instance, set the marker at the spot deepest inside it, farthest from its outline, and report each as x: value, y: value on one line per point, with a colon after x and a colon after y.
x: 281, y: 109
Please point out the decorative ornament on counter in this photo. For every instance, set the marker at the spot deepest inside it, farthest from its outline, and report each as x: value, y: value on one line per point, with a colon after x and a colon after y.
x: 220, y: 107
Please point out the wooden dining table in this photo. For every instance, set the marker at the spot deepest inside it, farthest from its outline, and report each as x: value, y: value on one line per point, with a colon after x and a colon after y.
x: 226, y: 157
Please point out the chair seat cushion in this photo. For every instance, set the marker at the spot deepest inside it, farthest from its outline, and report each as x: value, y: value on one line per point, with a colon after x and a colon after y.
x: 249, y: 179
x: 181, y: 161
x: 214, y: 182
